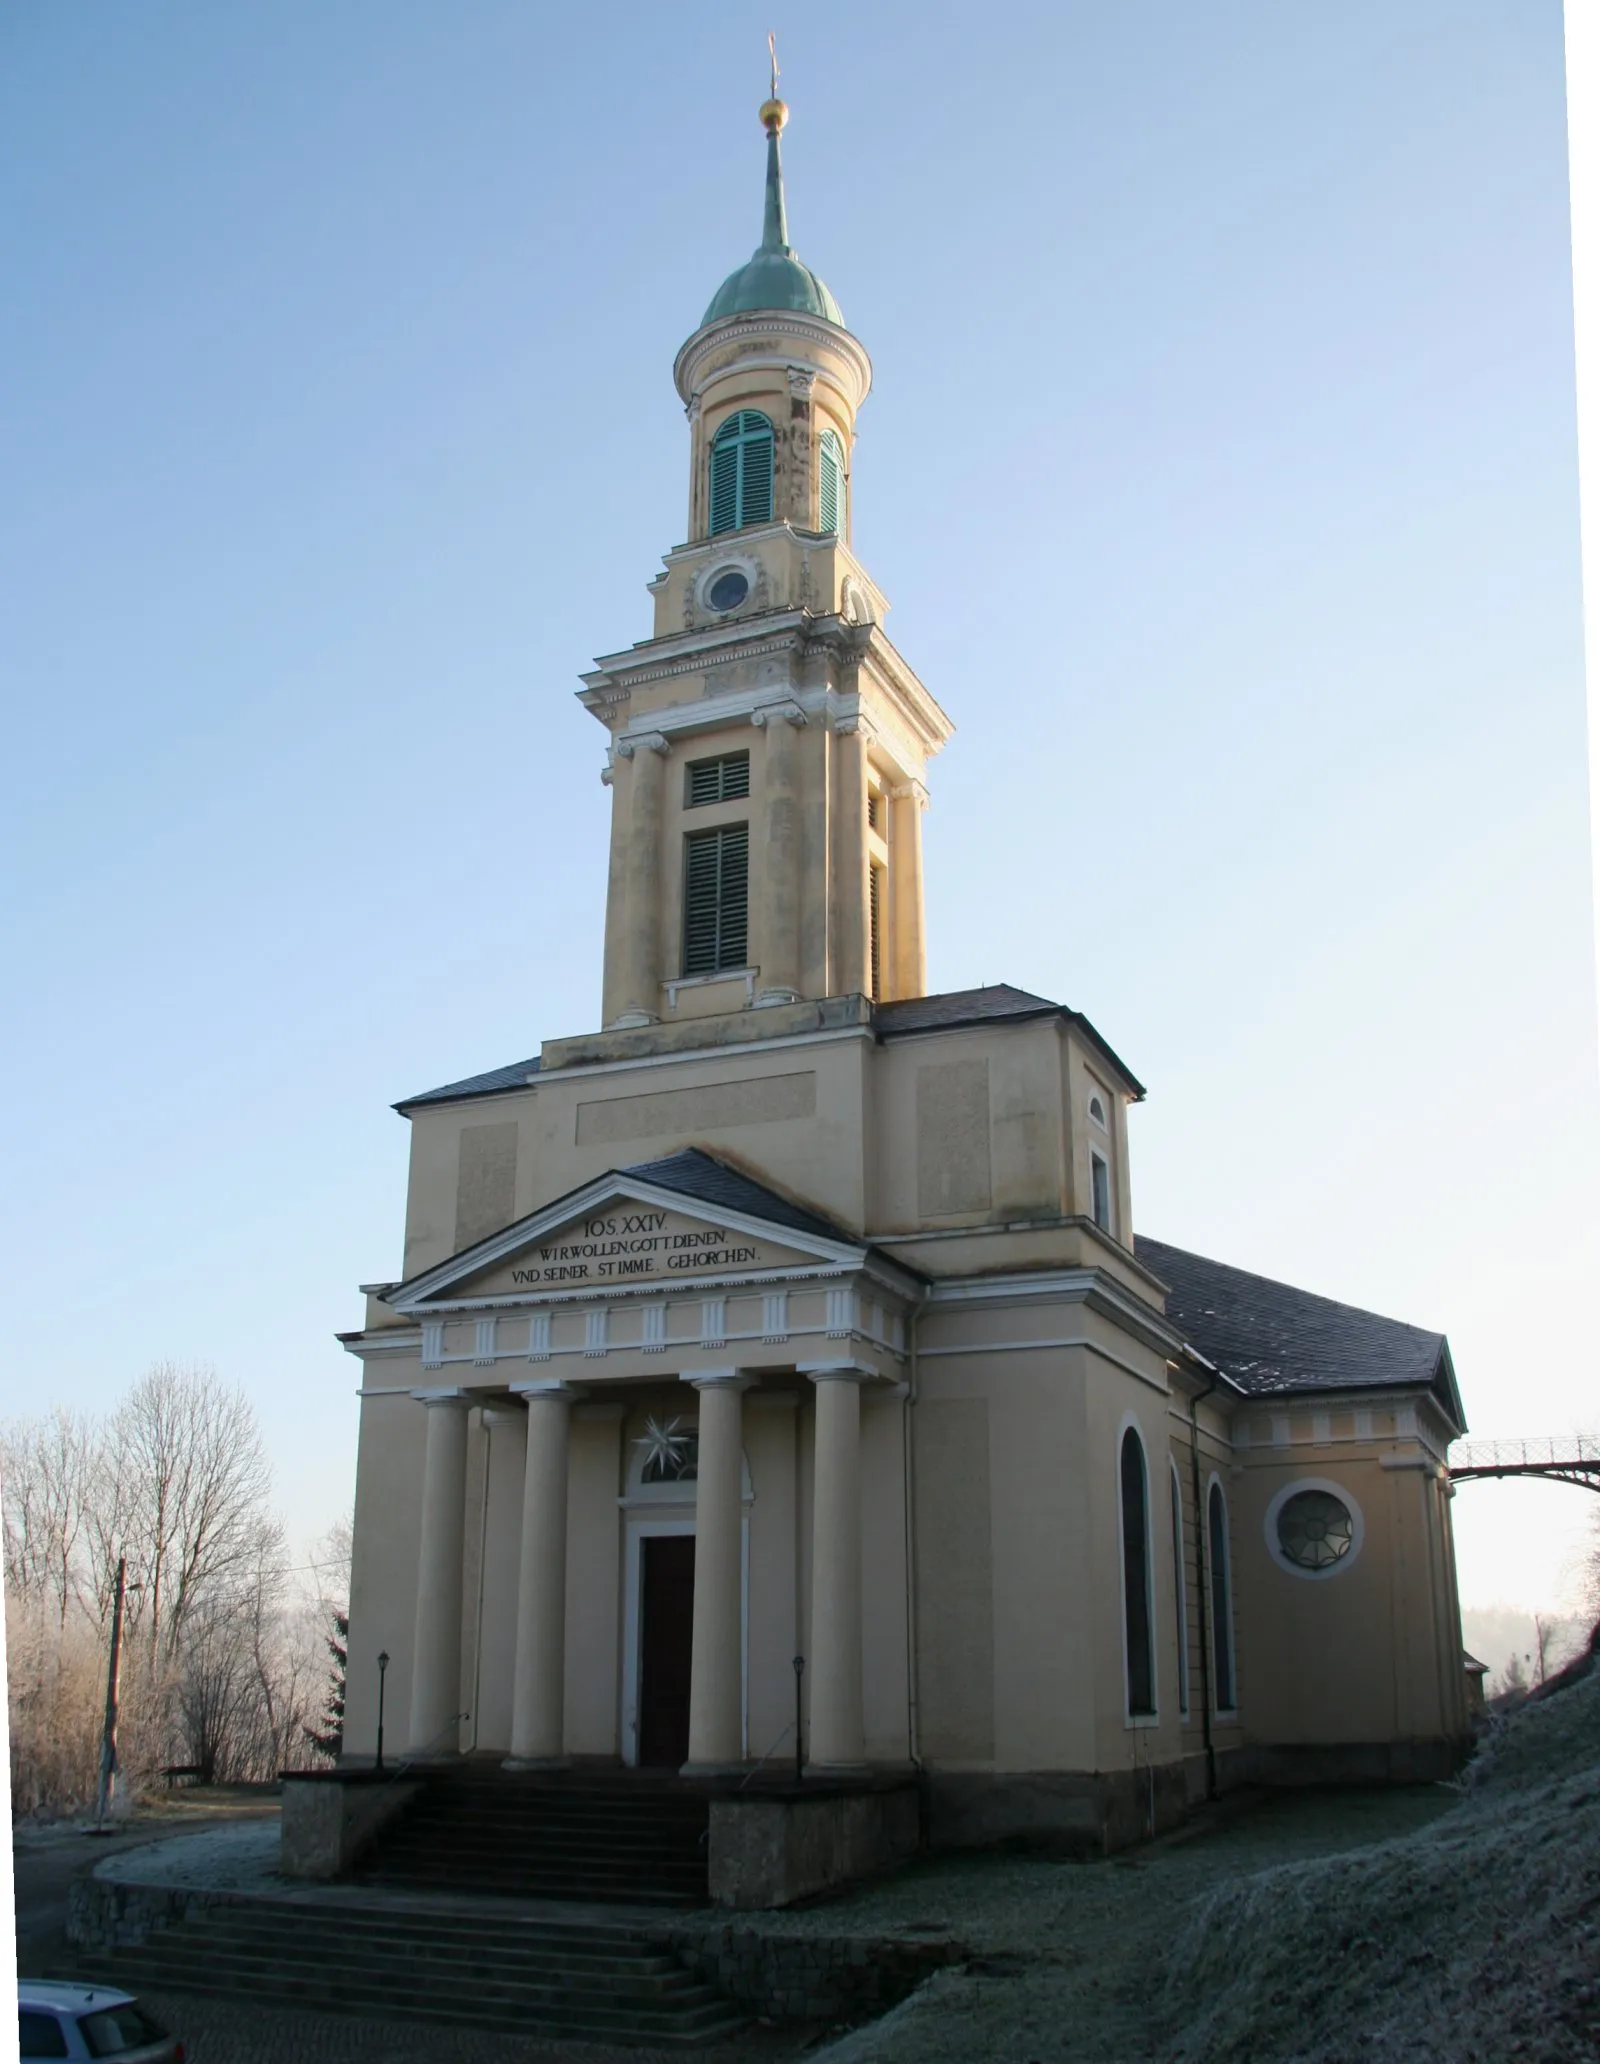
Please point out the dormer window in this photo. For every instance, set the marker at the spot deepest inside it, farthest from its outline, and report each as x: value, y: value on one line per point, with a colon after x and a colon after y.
x: 741, y: 472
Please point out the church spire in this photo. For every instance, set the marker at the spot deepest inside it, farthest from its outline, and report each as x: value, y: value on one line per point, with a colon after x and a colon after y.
x: 774, y: 113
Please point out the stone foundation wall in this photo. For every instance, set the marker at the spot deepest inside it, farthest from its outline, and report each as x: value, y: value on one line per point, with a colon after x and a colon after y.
x: 769, y: 1852
x: 1358, y: 1763
x: 329, y: 1819
x: 103, y: 1915
x: 1064, y: 1813
x: 809, y: 1977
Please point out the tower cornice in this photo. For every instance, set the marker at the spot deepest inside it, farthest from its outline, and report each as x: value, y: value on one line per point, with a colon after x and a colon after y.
x: 831, y: 353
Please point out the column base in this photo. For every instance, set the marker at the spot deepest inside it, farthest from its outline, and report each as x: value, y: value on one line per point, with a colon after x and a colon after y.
x: 765, y: 998
x: 632, y: 1021
x: 536, y: 1763
x: 713, y: 1769
x: 836, y: 1770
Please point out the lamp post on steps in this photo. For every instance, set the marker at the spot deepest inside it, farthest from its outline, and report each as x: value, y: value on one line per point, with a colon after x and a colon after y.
x: 383, y: 1667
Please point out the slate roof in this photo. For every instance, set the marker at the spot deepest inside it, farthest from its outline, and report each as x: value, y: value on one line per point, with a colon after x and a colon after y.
x: 991, y: 1005
x: 710, y: 1181
x: 1272, y: 1340
x: 514, y: 1076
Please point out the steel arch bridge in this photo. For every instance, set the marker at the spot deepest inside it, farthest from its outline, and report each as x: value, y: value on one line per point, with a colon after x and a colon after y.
x: 1572, y: 1458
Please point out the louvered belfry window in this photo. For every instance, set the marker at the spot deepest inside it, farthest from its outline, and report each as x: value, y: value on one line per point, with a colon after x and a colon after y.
x: 832, y: 482
x: 725, y: 780
x: 741, y: 472
x: 875, y: 930
x: 716, y: 899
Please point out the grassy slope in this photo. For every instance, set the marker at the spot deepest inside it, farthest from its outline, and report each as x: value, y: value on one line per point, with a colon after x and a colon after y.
x: 1476, y: 1938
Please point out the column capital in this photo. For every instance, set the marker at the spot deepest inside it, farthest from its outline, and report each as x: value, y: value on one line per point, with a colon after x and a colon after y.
x: 838, y: 1372
x: 444, y: 1394
x: 779, y: 713
x: 719, y: 1379
x: 644, y: 741
x: 912, y: 791
x: 530, y: 1387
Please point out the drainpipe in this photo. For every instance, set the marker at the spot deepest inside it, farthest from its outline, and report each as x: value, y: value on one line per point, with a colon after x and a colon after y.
x: 908, y: 1462
x: 1202, y: 1570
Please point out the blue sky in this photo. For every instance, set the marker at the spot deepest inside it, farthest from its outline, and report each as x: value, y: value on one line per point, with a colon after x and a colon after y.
x: 1221, y: 469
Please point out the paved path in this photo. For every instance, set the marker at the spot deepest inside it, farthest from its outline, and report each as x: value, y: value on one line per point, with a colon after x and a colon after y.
x: 45, y: 1861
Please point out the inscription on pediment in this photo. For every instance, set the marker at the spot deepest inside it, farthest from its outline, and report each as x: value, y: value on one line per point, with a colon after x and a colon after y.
x: 629, y: 1243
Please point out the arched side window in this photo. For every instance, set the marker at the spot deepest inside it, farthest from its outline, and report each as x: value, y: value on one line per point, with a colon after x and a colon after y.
x: 1136, y: 1577
x: 741, y: 472
x: 1221, y: 1599
x: 1180, y: 1593
x: 832, y: 482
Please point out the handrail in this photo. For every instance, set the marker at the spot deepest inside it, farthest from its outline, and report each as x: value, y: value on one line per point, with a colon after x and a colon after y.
x: 416, y: 1755
x: 782, y: 1738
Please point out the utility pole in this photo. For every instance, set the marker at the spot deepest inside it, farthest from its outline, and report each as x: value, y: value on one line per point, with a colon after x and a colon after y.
x: 108, y: 1742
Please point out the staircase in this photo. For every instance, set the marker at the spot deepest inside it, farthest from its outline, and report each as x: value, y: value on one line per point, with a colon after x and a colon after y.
x: 548, y: 1836
x: 575, y: 1978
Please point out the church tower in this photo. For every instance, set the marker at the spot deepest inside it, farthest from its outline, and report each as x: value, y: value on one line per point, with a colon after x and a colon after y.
x: 769, y: 746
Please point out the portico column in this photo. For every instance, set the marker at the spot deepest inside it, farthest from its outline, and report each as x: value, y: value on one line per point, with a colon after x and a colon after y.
x: 716, y: 1661
x: 777, y: 937
x: 436, y: 1645
x: 638, y: 931
x: 538, y: 1687
x: 838, y: 1735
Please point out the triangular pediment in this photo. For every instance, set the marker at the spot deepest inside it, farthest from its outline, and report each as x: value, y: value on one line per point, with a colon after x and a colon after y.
x: 620, y: 1233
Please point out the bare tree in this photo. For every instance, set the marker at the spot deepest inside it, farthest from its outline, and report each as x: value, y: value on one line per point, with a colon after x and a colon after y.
x: 191, y: 1481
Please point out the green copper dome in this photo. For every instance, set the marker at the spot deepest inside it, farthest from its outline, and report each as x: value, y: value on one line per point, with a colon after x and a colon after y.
x: 774, y: 277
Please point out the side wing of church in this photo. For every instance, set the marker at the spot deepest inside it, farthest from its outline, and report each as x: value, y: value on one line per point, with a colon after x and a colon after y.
x: 791, y: 1329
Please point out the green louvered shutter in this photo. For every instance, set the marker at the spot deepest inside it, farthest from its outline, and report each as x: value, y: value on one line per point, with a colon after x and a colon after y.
x: 724, y: 487
x: 741, y: 472
x: 832, y: 482
x: 716, y: 900
x: 718, y: 781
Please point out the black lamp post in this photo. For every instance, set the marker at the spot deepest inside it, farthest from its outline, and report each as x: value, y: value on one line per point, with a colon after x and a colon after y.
x: 799, y: 1750
x: 383, y: 1665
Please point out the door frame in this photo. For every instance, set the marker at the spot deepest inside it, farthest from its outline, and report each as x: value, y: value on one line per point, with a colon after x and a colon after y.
x: 640, y: 1527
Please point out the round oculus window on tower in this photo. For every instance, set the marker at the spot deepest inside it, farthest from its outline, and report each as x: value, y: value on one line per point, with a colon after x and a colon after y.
x: 1315, y: 1530
x: 728, y: 589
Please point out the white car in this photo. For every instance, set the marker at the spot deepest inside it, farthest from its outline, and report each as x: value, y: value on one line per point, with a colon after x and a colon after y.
x: 81, y: 2021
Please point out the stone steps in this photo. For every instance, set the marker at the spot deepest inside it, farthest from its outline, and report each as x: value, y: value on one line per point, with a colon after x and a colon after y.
x: 639, y: 1843
x: 568, y: 1977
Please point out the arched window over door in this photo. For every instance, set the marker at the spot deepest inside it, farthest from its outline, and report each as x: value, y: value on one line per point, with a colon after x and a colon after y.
x: 831, y: 483
x: 1221, y: 1599
x: 1135, y: 1502
x: 741, y: 471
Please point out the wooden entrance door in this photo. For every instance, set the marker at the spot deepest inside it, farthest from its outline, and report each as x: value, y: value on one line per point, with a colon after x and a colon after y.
x: 666, y: 1614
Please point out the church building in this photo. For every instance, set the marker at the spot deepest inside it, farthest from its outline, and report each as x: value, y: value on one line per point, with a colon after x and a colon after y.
x: 791, y: 1331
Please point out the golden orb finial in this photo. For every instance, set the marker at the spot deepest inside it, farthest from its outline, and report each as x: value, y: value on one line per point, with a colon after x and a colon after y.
x: 774, y: 113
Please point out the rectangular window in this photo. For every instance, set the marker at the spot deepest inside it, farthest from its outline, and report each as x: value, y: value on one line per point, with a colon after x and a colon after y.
x: 726, y: 780
x: 1100, y: 1191
x: 716, y: 899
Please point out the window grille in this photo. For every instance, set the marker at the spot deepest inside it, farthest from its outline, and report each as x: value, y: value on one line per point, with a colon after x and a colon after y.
x: 726, y: 780
x: 741, y: 472
x: 1136, y: 1577
x: 716, y: 899
x: 1221, y: 1602
x: 875, y: 929
x: 832, y: 483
